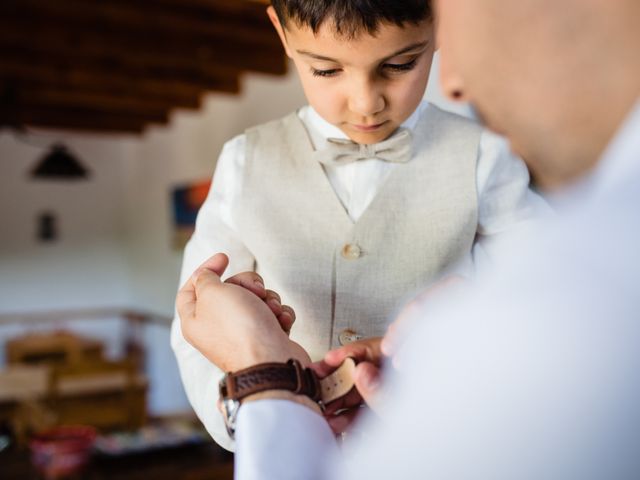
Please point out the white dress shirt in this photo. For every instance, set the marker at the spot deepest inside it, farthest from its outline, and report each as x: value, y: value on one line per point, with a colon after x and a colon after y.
x: 533, y: 376
x: 505, y: 206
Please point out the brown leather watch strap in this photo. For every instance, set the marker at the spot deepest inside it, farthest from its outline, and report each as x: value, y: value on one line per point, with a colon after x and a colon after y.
x: 339, y: 383
x: 289, y: 376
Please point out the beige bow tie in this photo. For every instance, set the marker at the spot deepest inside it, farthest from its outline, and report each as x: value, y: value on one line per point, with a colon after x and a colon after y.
x: 396, y: 149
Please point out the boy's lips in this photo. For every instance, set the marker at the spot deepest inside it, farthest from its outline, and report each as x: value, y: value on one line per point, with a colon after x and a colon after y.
x: 368, y: 128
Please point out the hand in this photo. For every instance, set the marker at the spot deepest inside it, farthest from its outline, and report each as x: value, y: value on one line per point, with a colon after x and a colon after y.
x: 229, y: 324
x: 341, y: 413
x: 255, y: 284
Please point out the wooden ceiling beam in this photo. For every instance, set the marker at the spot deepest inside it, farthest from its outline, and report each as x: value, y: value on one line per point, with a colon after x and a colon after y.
x: 179, y: 94
x: 55, y: 98
x: 116, y: 65
x: 245, y: 14
x: 56, y: 67
x: 253, y: 10
x: 139, y: 50
x: 115, y: 18
x: 80, y: 120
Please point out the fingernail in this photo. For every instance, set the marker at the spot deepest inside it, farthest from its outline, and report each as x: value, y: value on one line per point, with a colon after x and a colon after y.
x: 259, y: 284
x: 387, y: 347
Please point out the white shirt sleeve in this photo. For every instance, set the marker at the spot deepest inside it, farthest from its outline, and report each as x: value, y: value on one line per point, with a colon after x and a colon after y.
x: 506, y: 204
x: 215, y: 232
x: 298, y: 439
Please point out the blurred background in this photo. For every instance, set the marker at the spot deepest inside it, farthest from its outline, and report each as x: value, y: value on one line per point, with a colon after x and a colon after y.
x: 112, y: 115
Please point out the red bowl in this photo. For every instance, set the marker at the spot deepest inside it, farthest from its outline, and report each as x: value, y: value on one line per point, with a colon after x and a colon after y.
x: 62, y: 451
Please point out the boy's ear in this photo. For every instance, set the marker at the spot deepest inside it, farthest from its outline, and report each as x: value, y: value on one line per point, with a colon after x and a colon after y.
x: 273, y: 16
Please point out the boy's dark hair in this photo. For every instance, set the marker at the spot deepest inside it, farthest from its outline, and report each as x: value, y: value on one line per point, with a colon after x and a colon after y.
x: 352, y: 17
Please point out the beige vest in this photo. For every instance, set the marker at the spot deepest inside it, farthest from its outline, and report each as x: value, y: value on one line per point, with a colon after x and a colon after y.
x: 339, y: 275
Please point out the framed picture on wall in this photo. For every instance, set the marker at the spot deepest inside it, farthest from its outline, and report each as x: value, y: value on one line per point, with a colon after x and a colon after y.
x: 187, y: 200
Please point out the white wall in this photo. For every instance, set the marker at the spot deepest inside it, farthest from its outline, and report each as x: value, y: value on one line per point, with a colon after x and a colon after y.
x: 85, y: 267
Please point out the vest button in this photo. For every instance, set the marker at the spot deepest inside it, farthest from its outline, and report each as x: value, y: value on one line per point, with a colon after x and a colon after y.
x: 348, y: 336
x: 351, y: 251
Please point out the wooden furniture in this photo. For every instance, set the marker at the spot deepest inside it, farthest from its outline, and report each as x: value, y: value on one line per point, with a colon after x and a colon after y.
x: 22, y: 391
x: 52, y: 348
x: 60, y: 379
x: 103, y: 394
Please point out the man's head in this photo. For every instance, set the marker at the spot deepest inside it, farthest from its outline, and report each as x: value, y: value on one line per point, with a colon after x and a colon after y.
x: 364, y: 64
x: 555, y: 76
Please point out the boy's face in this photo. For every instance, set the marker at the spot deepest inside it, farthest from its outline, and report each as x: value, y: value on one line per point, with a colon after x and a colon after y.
x: 367, y: 86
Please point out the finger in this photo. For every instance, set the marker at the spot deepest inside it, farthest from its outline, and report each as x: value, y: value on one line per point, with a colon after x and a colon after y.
x: 218, y: 263
x: 350, y: 400
x: 251, y: 281
x: 367, y: 377
x: 322, y: 368
x: 341, y: 423
x: 287, y: 318
x: 205, y: 280
x: 367, y: 350
x: 273, y: 302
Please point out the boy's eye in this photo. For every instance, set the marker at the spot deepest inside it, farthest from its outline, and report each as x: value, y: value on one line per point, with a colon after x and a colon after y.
x: 401, y: 67
x: 324, y: 73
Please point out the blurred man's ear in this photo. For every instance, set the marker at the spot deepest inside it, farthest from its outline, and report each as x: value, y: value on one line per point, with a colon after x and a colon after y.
x: 451, y: 82
x: 273, y: 16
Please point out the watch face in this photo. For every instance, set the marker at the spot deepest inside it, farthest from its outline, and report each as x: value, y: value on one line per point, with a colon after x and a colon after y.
x: 230, y: 413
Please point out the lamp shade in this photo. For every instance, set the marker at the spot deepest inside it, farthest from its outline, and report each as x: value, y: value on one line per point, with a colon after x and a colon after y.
x: 59, y: 164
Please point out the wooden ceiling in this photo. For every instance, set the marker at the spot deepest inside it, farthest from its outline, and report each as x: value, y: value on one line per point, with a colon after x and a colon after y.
x: 120, y: 65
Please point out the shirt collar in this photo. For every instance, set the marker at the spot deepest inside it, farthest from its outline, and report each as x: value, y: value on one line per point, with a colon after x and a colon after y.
x: 621, y: 159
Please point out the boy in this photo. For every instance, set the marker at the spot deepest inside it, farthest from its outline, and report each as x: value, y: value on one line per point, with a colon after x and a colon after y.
x: 360, y: 198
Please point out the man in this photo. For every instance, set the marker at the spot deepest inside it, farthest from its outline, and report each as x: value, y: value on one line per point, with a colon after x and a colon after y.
x: 534, y: 373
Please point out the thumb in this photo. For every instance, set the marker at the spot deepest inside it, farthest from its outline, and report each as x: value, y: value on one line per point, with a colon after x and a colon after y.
x: 367, y: 379
x: 217, y: 263
x: 204, y: 279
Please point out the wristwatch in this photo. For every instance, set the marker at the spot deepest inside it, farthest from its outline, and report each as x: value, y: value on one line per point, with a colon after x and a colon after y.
x: 290, y: 376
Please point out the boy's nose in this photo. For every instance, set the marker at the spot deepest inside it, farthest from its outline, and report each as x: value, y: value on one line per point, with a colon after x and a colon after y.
x: 450, y: 81
x: 366, y: 100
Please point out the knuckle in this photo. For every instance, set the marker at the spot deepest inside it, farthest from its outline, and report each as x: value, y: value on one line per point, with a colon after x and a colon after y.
x: 272, y: 294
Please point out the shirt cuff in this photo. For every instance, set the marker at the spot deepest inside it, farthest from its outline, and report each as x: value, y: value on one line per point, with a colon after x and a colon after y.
x: 278, y: 439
